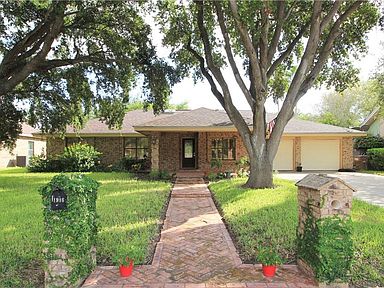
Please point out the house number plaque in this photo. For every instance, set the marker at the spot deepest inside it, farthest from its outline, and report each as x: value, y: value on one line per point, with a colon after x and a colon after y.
x: 58, y: 200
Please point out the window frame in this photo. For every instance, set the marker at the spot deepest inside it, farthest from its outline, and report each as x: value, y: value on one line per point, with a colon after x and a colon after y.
x: 136, y: 148
x: 217, y: 148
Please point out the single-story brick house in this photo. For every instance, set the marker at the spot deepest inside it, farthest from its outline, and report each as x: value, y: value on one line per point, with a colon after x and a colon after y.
x: 191, y: 139
x: 27, y: 145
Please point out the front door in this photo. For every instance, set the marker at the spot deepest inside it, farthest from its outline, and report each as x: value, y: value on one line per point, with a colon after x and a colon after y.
x: 188, y: 157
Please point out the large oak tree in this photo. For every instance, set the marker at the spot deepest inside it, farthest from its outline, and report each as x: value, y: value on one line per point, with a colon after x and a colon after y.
x: 62, y: 60
x: 286, y: 47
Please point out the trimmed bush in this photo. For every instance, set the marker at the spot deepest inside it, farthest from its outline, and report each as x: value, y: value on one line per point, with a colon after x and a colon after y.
x: 376, y: 158
x: 369, y: 142
x: 80, y: 158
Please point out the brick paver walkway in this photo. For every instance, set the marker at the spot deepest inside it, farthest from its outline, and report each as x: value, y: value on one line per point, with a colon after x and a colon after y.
x: 195, y: 250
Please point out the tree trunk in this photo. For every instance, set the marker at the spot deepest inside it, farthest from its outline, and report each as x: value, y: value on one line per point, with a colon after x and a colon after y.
x: 260, y: 169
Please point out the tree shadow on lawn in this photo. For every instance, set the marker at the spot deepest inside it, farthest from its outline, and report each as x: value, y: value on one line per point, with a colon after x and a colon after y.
x: 273, y: 225
x: 132, y: 227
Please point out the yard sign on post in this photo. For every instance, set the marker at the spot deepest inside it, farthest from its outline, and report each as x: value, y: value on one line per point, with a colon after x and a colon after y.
x: 70, y: 229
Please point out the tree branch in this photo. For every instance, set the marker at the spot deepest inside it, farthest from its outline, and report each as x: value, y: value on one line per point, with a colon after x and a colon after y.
x: 228, y: 50
x: 277, y: 33
x: 328, y: 18
x: 228, y: 106
x: 264, y: 40
x: 287, y: 51
x: 250, y: 50
x: 326, y: 49
x: 10, y: 81
x: 305, y: 64
x: 205, y: 72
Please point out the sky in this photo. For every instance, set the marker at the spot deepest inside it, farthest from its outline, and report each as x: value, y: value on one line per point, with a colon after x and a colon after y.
x: 199, y: 95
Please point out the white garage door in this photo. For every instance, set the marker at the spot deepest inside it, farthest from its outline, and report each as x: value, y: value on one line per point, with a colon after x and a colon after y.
x: 320, y: 154
x: 284, y: 156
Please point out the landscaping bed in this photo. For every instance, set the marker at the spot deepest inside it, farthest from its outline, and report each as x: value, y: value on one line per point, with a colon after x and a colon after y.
x: 130, y: 214
x: 262, y: 216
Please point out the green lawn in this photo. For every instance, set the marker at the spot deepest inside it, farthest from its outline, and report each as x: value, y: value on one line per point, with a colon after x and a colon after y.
x: 129, y: 213
x: 381, y: 173
x: 270, y: 215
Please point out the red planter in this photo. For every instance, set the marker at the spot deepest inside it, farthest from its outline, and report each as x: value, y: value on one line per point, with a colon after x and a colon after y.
x: 269, y: 270
x: 126, y: 271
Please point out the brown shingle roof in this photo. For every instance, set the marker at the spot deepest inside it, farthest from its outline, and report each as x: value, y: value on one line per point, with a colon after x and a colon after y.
x: 27, y: 130
x: 131, y: 119
x: 207, y: 118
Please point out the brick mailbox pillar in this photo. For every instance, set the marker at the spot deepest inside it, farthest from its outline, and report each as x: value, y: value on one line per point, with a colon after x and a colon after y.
x: 324, y: 229
x: 70, y: 229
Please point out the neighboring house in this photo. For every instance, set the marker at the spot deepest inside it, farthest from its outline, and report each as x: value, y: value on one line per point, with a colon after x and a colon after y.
x: 27, y: 145
x: 191, y: 139
x: 374, y: 124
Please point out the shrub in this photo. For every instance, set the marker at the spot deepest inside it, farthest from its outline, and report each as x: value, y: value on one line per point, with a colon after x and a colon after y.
x: 80, y: 158
x: 38, y: 164
x: 216, y: 163
x: 243, y: 167
x: 159, y: 175
x: 369, y: 142
x: 76, y: 158
x: 376, y: 158
x: 132, y: 165
x: 212, y: 177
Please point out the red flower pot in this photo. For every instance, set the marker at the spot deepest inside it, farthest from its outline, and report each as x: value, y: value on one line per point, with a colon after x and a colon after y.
x: 126, y: 271
x: 269, y: 270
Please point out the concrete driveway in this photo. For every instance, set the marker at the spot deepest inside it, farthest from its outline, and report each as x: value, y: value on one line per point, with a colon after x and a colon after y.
x: 369, y: 187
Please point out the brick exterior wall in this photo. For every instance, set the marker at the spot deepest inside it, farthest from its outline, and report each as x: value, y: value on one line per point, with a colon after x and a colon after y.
x: 334, y: 198
x: 165, y: 149
x: 111, y: 147
x: 297, y: 151
x: 347, y: 153
x: 55, y: 146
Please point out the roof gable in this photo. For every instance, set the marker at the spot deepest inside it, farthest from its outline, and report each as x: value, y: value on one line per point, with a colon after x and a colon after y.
x: 322, y: 181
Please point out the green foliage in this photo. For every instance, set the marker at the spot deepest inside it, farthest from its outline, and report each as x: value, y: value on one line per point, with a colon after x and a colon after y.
x: 268, y: 256
x: 159, y: 175
x: 326, y: 245
x: 256, y: 217
x: 216, y: 163
x: 132, y: 165
x: 242, y: 166
x: 77, y: 224
x: 80, y: 157
x: 137, y: 206
x: 123, y: 260
x: 11, y: 128
x: 38, y: 163
x: 368, y: 142
x: 72, y: 59
x: 348, y: 108
x: 263, y: 216
x: 376, y: 158
x: 75, y: 158
x: 140, y: 105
